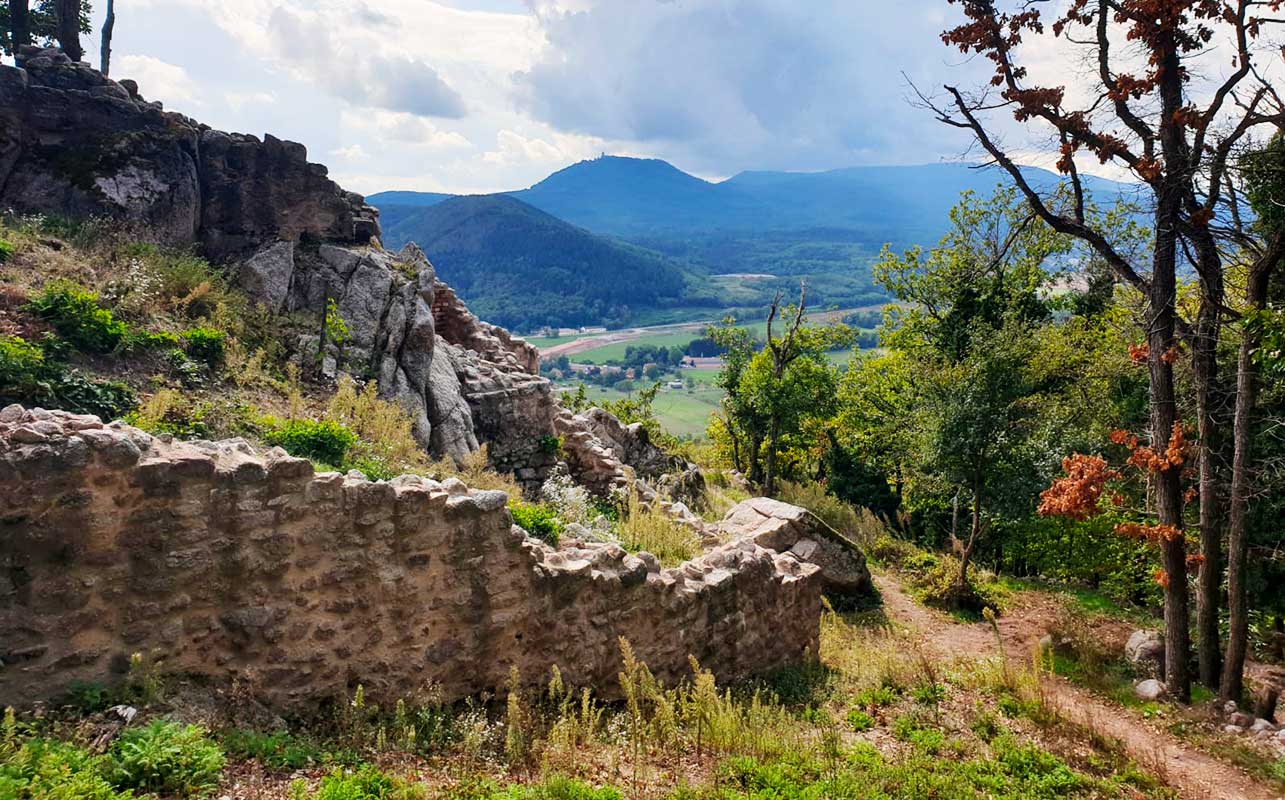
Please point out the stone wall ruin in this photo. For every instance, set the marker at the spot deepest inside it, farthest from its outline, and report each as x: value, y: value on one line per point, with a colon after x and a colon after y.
x: 232, y: 565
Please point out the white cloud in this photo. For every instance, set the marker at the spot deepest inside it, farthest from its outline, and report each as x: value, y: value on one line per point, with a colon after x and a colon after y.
x: 392, y: 81
x: 159, y: 80
x: 240, y: 100
x: 513, y: 148
x: 351, y: 153
x: 734, y: 84
x: 403, y: 129
x: 485, y: 95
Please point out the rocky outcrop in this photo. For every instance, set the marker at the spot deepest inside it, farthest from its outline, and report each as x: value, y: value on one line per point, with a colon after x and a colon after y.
x: 234, y: 565
x: 465, y: 383
x: 789, y: 529
x: 75, y: 143
x: 631, y: 444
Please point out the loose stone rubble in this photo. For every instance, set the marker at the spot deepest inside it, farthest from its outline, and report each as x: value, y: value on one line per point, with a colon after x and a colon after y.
x: 789, y: 529
x: 234, y: 565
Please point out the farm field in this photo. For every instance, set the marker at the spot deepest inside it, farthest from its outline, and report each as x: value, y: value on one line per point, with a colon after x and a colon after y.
x: 681, y: 412
x: 599, y: 348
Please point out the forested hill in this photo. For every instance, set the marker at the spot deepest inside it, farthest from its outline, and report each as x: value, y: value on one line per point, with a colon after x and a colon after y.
x: 519, y: 267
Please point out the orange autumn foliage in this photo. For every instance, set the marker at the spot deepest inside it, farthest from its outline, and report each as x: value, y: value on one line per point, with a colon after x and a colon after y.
x: 1152, y: 533
x: 1076, y: 496
x: 1145, y: 458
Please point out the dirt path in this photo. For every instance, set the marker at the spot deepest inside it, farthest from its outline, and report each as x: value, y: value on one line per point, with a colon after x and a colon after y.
x: 1192, y: 773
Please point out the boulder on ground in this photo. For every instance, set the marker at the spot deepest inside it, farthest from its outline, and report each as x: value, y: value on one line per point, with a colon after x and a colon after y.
x: 1149, y: 690
x: 1241, y: 719
x: 1145, y: 650
x: 798, y: 532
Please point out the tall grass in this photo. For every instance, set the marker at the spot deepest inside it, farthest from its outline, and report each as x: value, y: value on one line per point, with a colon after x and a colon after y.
x: 855, y: 523
x: 650, y: 528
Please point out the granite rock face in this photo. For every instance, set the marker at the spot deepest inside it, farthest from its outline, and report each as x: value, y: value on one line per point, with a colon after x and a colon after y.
x: 465, y: 383
x: 76, y: 143
x: 239, y: 565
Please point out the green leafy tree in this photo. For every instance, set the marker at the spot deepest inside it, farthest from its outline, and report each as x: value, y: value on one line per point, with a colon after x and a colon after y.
x: 774, y: 391
x: 971, y: 307
x: 22, y: 23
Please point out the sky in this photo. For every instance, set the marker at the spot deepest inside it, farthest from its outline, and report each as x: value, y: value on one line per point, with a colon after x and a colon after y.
x: 469, y: 96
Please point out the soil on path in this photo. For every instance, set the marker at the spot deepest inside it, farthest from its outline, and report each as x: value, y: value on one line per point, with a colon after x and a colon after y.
x: 1193, y: 774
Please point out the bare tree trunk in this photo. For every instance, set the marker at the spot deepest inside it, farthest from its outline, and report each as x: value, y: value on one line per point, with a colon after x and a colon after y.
x: 1265, y: 703
x: 1161, y: 327
x: 19, y: 27
x: 1232, y: 685
x: 109, y: 25
x: 736, y: 444
x: 774, y: 434
x: 974, y: 533
x: 69, y: 28
x: 756, y: 468
x: 1209, y: 582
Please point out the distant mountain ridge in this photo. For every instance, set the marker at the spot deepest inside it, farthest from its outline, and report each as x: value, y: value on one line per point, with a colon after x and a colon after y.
x: 826, y: 227
x: 632, y: 197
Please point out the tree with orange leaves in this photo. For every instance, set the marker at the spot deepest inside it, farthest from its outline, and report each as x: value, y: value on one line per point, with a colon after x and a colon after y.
x: 1147, y: 120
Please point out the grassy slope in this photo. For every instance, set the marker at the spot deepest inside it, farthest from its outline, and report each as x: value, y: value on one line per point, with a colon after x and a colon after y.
x: 876, y: 717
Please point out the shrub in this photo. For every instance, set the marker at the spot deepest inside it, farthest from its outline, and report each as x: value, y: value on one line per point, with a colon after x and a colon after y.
x: 22, y: 364
x: 890, y: 551
x: 324, y: 441
x: 929, y: 694
x: 537, y: 519
x: 367, y: 783
x: 149, y: 340
x: 561, y: 788
x: 50, y: 770
x: 374, y: 468
x: 30, y: 377
x: 167, y: 758
x: 75, y: 314
x: 386, y: 445
x: 920, y: 562
x: 876, y: 697
x: 909, y: 729
x: 88, y: 697
x: 939, y: 586
x: 6, y: 250
x: 73, y: 391
x: 161, y: 279
x: 169, y: 411
x: 206, y: 345
x: 1042, y: 774
x: 279, y: 750
x: 859, y: 720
